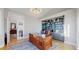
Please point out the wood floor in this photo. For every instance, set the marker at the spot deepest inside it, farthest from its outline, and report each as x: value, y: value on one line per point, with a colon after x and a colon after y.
x: 62, y: 45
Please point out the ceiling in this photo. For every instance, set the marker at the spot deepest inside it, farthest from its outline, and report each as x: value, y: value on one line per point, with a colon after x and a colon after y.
x: 44, y: 13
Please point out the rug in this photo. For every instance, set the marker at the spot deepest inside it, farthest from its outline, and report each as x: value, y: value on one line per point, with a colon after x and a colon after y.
x: 26, y: 45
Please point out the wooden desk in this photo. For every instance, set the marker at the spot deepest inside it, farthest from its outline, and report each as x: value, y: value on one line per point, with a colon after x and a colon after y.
x: 41, y: 43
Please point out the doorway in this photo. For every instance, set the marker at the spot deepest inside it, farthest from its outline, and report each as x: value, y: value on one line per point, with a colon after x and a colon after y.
x: 13, y: 33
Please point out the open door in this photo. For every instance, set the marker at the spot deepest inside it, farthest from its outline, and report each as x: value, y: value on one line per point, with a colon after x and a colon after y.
x: 13, y: 33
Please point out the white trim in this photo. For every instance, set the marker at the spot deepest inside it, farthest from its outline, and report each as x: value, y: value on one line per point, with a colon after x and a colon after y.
x: 71, y: 43
x: 77, y: 48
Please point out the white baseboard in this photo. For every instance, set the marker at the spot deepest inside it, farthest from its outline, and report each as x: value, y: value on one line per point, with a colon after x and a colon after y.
x: 71, y: 43
x: 78, y: 48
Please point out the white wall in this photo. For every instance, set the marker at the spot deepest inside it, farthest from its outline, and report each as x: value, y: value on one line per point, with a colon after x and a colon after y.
x: 77, y: 28
x: 32, y: 24
x: 69, y: 25
x: 5, y: 19
x: 1, y: 28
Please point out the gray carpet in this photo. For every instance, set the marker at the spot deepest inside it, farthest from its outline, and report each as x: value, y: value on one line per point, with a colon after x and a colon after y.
x: 26, y: 45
